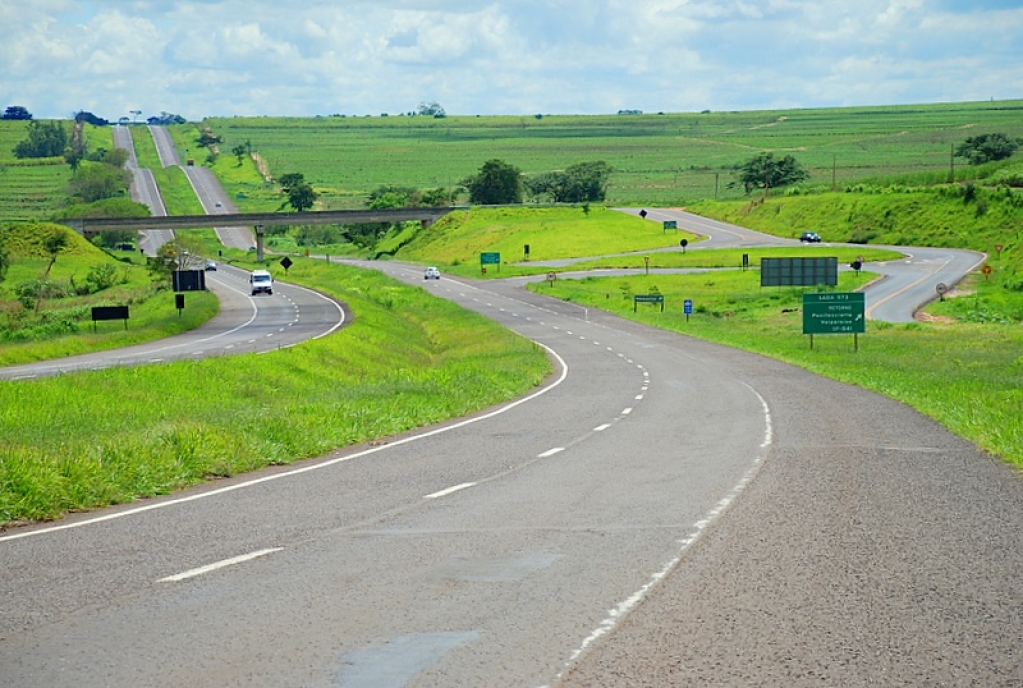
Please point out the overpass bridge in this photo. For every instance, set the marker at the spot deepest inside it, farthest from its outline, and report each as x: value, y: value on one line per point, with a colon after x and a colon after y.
x: 88, y: 227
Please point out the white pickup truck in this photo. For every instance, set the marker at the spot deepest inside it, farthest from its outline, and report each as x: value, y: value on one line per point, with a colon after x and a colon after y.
x: 261, y: 282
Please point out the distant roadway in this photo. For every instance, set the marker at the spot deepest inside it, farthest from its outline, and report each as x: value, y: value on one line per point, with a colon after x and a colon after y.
x: 143, y: 190
x: 207, y: 188
x: 244, y: 324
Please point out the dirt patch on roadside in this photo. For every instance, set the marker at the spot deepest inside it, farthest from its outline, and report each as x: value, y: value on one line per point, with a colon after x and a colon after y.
x: 263, y: 168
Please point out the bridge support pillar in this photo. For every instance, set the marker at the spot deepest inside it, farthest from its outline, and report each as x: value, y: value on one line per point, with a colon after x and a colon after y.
x: 259, y: 243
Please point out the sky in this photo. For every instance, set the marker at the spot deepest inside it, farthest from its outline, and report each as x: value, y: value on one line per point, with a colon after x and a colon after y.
x: 200, y: 58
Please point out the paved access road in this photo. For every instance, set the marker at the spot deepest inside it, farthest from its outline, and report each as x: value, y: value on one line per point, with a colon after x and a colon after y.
x: 907, y: 284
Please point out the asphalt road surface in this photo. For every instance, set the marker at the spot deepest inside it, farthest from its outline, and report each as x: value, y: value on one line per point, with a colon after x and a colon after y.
x: 905, y: 286
x: 207, y: 188
x: 664, y: 512
x: 244, y: 324
x: 143, y: 189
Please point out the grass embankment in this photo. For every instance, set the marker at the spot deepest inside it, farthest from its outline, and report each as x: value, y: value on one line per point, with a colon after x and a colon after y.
x: 455, y: 242
x: 408, y: 359
x: 967, y: 376
x: 58, y: 324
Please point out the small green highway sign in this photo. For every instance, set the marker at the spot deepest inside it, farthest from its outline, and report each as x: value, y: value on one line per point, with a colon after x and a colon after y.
x: 648, y: 298
x: 834, y: 313
x: 491, y: 258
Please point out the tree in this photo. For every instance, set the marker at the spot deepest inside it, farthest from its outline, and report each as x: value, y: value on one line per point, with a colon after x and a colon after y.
x: 239, y: 152
x: 765, y: 172
x: 208, y: 139
x: 497, y: 183
x: 583, y: 182
x: 437, y: 198
x: 73, y: 158
x: 302, y: 197
x: 290, y: 180
x: 544, y: 183
x: 987, y: 148
x: 431, y: 110
x: 390, y: 196
x: 45, y: 140
x: 586, y: 181
x: 84, y: 116
x: 54, y: 243
x: 16, y: 112
x: 95, y: 181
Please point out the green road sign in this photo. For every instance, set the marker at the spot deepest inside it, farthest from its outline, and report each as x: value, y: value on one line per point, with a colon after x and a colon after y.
x: 491, y: 258
x: 648, y: 298
x: 834, y: 313
x: 670, y: 224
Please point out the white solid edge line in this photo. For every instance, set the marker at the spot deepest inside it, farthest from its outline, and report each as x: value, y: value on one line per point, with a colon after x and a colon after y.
x: 699, y: 527
x: 303, y: 469
x: 219, y: 565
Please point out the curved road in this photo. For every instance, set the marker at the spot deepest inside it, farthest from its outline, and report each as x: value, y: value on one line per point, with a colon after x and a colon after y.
x: 244, y: 324
x: 664, y: 512
x: 907, y: 284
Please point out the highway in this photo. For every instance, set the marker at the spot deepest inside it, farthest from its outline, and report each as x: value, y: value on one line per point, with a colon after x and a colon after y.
x: 207, y: 188
x: 906, y: 285
x: 663, y: 512
x: 244, y: 324
x: 143, y: 189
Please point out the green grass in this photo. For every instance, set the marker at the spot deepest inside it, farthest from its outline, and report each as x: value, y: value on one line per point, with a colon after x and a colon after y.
x: 30, y: 188
x: 660, y: 159
x: 938, y: 216
x: 34, y: 188
x: 427, y: 360
x: 62, y: 327
x: 551, y: 233
x: 970, y: 379
x: 455, y: 243
x: 103, y: 437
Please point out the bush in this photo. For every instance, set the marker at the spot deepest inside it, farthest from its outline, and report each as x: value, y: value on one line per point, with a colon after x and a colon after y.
x: 28, y: 293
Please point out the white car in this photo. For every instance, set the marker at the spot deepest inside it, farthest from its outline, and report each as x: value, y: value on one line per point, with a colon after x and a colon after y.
x: 261, y: 282
x: 431, y: 273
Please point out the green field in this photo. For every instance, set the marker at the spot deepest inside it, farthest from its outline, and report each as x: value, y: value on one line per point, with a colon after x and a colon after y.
x: 660, y: 159
x: 34, y: 188
x: 891, y: 165
x: 95, y: 438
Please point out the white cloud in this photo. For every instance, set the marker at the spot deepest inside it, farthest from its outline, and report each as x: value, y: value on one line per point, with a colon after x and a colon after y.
x: 517, y: 57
